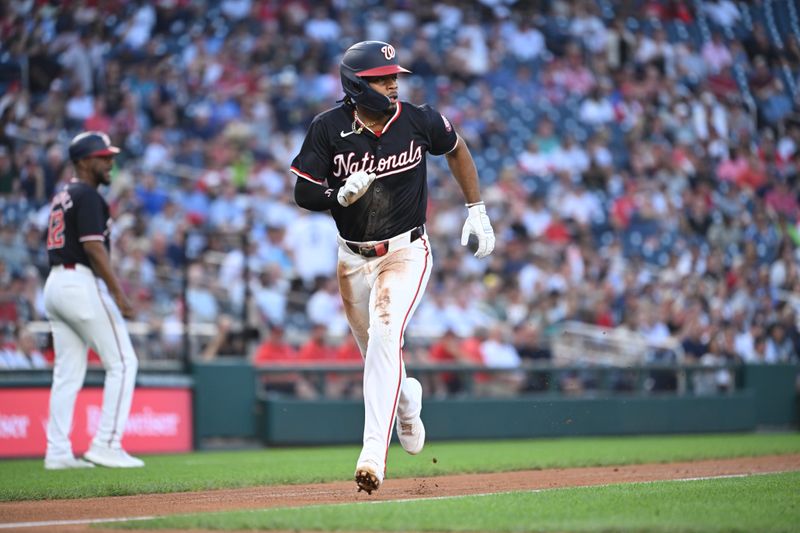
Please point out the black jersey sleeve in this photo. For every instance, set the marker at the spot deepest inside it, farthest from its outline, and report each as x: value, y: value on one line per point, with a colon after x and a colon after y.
x: 314, y: 197
x: 442, y: 134
x: 90, y: 216
x: 313, y: 163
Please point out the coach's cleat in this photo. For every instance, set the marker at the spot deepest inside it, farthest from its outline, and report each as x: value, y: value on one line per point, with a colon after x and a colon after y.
x: 411, y: 433
x: 64, y: 463
x: 367, y: 477
x: 112, y: 457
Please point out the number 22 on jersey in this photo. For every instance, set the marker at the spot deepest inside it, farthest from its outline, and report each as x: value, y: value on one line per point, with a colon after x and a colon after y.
x: 55, y: 230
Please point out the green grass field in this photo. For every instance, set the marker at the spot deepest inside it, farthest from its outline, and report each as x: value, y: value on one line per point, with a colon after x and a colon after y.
x: 27, y: 479
x: 764, y: 503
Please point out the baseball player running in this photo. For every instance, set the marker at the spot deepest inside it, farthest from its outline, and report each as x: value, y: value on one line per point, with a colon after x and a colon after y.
x: 85, y: 306
x: 365, y: 162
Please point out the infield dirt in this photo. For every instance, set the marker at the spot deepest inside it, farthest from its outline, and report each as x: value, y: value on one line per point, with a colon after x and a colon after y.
x: 345, y: 491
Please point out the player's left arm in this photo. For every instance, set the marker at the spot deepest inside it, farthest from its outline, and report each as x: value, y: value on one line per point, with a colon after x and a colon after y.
x: 461, y: 164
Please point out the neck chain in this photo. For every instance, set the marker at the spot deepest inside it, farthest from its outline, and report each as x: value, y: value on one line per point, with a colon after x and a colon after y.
x: 358, y: 128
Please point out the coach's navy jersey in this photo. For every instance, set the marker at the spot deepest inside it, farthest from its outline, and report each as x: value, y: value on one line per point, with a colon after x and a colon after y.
x: 77, y: 214
x: 397, y: 200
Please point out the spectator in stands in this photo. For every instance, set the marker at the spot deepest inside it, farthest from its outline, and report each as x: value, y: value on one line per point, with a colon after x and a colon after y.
x: 324, y: 307
x: 23, y: 354
x: 718, y: 380
x: 275, y: 352
x: 318, y: 350
x: 448, y: 350
x: 498, y: 352
x: 779, y: 348
x: 724, y: 13
x: 8, y: 174
x: 757, y: 44
x: 346, y: 383
x: 694, y: 199
x: 202, y: 302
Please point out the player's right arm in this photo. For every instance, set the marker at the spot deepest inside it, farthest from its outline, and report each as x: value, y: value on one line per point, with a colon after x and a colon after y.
x: 314, y: 196
x: 312, y: 166
x: 101, y: 266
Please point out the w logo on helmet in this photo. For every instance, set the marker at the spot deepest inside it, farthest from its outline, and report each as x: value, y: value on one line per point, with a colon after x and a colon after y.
x: 388, y: 52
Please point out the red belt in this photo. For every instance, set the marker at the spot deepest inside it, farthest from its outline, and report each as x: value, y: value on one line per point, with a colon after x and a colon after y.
x: 380, y: 249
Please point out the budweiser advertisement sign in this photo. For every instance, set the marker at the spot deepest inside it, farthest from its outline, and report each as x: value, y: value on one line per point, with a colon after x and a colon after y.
x: 160, y: 421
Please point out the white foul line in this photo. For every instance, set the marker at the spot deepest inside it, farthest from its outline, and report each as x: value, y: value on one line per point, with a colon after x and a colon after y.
x: 73, y: 522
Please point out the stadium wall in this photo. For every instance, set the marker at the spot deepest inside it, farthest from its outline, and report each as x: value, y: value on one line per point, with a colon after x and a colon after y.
x: 227, y: 404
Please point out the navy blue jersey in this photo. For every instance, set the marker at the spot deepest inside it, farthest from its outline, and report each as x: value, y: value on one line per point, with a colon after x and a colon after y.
x: 77, y: 214
x: 397, y: 200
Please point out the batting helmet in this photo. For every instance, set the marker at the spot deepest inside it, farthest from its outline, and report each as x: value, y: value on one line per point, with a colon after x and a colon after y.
x: 91, y: 144
x: 363, y: 60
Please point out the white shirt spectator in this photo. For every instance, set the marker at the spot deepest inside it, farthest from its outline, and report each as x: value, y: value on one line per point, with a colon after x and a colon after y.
x: 138, y: 30
x: 471, y: 51
x: 786, y: 148
x: 322, y: 28
x: 323, y: 306
x: 580, y: 205
x: 227, y: 211
x: 155, y: 155
x: 744, y: 345
x: 312, y: 241
x: 80, y: 106
x: 688, y: 62
x: 536, y: 218
x: 77, y: 60
x: 571, y: 158
x: 596, y: 111
x: 499, y: 354
x: 525, y: 43
x: 591, y: 30
x: 464, y: 316
x: 271, y: 303
x: 236, y: 9
x: 534, y: 162
x: 450, y: 16
x: 602, y: 156
x: 531, y: 281
x: 201, y: 302
x: 429, y: 319
x: 722, y: 12
x: 14, y: 359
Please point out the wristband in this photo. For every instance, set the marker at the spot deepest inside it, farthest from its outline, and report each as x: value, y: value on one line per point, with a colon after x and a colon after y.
x: 473, y: 204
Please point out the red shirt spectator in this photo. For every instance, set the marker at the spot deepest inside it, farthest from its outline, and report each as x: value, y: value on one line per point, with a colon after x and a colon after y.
x: 348, y: 352
x: 316, y: 349
x: 275, y: 350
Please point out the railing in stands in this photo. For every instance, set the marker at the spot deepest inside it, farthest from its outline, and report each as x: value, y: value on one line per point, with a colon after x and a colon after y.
x: 530, y: 378
x: 577, y: 343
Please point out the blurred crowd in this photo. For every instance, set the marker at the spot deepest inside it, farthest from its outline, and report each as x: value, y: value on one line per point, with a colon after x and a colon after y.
x: 639, y: 160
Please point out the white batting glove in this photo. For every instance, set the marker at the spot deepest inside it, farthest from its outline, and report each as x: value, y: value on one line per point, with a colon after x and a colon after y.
x: 478, y: 224
x: 354, y: 187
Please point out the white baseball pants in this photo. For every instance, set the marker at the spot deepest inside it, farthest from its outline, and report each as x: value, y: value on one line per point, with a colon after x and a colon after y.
x: 379, y: 295
x: 83, y: 314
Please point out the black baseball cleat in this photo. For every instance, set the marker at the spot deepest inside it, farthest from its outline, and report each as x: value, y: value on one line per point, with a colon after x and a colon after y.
x: 367, y: 478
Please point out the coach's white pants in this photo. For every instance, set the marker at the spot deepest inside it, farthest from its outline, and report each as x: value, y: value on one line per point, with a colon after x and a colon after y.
x: 380, y: 294
x: 83, y: 314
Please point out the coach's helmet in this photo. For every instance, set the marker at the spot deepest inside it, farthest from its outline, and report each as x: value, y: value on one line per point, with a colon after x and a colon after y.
x: 364, y: 60
x: 91, y: 144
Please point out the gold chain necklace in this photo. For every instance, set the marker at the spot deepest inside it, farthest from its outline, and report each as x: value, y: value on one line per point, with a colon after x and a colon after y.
x: 358, y: 129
